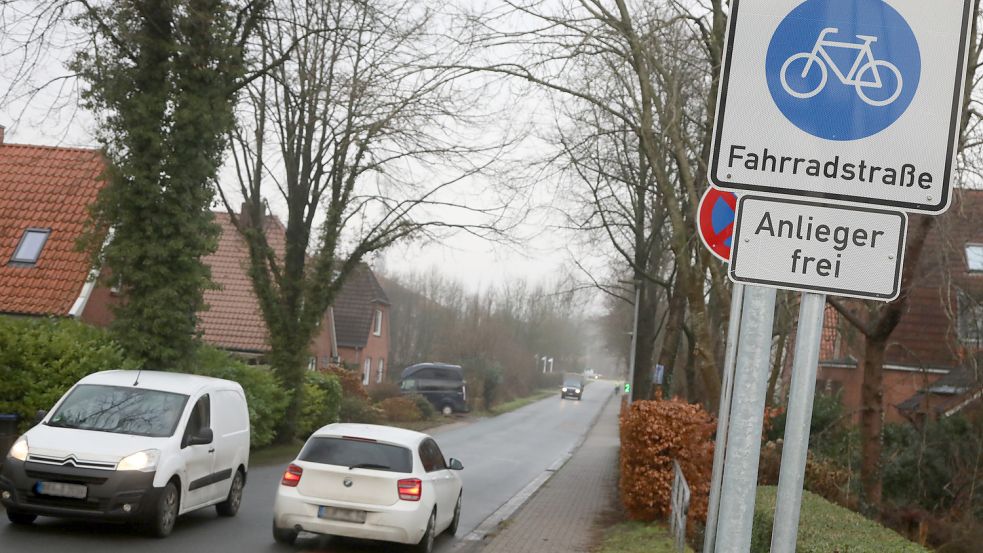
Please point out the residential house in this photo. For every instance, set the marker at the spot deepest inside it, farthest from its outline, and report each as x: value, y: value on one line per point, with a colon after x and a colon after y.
x: 361, y: 323
x: 932, y: 362
x: 45, y: 193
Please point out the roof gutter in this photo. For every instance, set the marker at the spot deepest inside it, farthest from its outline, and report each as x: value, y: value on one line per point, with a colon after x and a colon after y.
x: 334, y: 335
x: 90, y: 283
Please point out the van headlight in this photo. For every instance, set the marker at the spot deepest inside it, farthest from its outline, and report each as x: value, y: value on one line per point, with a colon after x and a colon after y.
x: 145, y: 461
x: 19, y: 450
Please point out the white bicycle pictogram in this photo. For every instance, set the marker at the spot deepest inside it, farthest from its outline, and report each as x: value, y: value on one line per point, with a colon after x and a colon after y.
x: 858, y: 77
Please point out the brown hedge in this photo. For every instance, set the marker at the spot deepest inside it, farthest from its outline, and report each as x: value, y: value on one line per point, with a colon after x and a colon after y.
x: 653, y: 433
x: 400, y: 409
x: 351, y: 382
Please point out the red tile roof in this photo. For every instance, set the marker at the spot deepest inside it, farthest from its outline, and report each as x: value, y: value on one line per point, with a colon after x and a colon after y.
x: 45, y: 187
x: 234, y: 320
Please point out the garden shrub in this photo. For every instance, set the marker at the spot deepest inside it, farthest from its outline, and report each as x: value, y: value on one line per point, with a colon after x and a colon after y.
x: 265, y: 397
x: 401, y: 409
x: 426, y: 408
x: 826, y: 528
x: 384, y: 390
x: 653, y: 433
x: 40, y: 359
x: 351, y: 382
x: 356, y: 409
x: 321, y: 404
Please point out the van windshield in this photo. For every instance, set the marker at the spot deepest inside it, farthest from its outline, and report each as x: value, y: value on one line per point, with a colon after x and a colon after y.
x: 120, y: 410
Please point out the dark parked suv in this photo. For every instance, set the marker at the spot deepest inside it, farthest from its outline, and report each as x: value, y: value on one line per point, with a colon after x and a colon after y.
x: 442, y: 384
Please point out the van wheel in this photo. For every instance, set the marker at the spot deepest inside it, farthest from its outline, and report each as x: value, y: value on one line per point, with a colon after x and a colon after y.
x: 286, y: 536
x: 230, y: 506
x: 17, y: 517
x: 426, y: 542
x: 165, y: 512
x: 447, y: 410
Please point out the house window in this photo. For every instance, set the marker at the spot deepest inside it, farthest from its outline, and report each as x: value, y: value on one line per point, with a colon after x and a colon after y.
x: 367, y: 370
x: 970, y: 321
x: 974, y: 258
x: 382, y: 371
x: 29, y: 249
x: 377, y: 329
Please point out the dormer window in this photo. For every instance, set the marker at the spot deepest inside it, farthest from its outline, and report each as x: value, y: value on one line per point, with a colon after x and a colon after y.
x: 29, y: 249
x: 974, y: 258
x: 377, y: 327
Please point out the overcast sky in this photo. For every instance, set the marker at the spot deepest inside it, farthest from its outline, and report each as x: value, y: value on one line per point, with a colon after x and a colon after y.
x: 537, y: 250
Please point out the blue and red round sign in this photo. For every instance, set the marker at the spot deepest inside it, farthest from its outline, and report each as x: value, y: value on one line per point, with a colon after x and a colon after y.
x: 715, y: 221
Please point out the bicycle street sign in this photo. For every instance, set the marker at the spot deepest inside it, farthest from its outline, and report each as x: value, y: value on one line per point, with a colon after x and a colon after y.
x: 854, y: 101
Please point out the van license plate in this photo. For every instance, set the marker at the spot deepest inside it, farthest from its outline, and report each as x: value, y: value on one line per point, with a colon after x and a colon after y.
x: 60, y: 489
x: 345, y: 515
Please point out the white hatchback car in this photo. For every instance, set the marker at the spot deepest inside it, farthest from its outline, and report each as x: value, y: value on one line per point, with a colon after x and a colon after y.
x: 371, y: 482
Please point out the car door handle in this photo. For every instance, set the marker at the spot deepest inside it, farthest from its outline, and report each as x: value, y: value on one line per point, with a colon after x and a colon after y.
x: 212, y: 450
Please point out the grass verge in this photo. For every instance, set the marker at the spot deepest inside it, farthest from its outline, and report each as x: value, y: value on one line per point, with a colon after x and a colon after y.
x: 638, y: 537
x: 518, y: 403
x: 275, y: 454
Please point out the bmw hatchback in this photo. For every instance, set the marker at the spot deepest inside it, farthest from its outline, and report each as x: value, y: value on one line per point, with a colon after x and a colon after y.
x: 370, y: 482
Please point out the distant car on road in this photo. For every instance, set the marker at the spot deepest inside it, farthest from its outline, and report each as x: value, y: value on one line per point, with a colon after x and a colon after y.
x: 140, y: 446
x: 442, y: 384
x: 573, y: 386
x: 370, y: 482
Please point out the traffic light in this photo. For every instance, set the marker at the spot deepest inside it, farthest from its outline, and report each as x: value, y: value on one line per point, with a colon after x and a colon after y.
x: 627, y: 387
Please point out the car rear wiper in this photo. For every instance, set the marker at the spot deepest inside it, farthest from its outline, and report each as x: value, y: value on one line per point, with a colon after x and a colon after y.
x: 369, y: 466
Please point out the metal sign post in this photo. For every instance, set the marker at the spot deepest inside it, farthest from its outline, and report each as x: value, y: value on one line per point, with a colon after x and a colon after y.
x: 634, y: 344
x: 796, y: 446
x: 740, y: 474
x: 723, y: 415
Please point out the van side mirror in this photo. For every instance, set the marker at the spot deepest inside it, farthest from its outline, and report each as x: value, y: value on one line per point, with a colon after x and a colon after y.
x: 203, y: 437
x: 455, y: 464
x: 39, y: 416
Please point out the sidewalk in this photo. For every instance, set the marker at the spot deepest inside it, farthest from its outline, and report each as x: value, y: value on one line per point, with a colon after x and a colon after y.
x: 562, y: 517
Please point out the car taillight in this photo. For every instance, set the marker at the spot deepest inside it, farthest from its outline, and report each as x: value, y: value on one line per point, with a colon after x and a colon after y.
x: 291, y: 476
x: 410, y: 489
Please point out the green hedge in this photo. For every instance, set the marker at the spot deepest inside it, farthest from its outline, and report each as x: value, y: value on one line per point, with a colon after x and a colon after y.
x: 322, y: 402
x: 265, y: 397
x: 40, y: 359
x: 827, y: 528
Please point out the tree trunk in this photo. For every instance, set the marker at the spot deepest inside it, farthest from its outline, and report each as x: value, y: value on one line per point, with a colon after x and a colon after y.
x: 872, y: 421
x: 645, y: 344
x: 674, y: 330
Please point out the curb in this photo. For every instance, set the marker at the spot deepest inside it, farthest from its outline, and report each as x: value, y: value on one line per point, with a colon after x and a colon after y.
x: 511, y: 507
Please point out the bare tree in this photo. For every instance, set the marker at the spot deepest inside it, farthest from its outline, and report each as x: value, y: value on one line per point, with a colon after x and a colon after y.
x: 360, y: 136
x: 665, y: 59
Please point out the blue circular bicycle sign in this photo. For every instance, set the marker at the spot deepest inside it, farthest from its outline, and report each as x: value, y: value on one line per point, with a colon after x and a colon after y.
x: 843, y: 69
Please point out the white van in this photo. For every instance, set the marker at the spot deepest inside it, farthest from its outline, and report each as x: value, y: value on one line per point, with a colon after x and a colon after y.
x: 132, y: 445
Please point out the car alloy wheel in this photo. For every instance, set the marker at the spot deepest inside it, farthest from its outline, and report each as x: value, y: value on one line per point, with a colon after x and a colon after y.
x: 230, y: 506
x: 447, y: 410
x: 286, y: 536
x: 426, y: 542
x: 452, y: 529
x: 166, y: 514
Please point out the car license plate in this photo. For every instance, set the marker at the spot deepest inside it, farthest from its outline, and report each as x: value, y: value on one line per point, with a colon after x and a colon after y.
x: 60, y: 489
x: 345, y: 515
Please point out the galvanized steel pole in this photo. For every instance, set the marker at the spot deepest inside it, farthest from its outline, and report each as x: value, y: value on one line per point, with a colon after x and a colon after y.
x: 634, y: 344
x: 723, y: 415
x: 747, y: 416
x: 795, y: 449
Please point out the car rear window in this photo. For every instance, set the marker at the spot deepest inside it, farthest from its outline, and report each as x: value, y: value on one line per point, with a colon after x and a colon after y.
x: 349, y: 452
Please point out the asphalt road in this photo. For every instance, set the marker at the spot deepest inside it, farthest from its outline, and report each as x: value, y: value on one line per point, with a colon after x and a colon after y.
x: 501, y: 455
